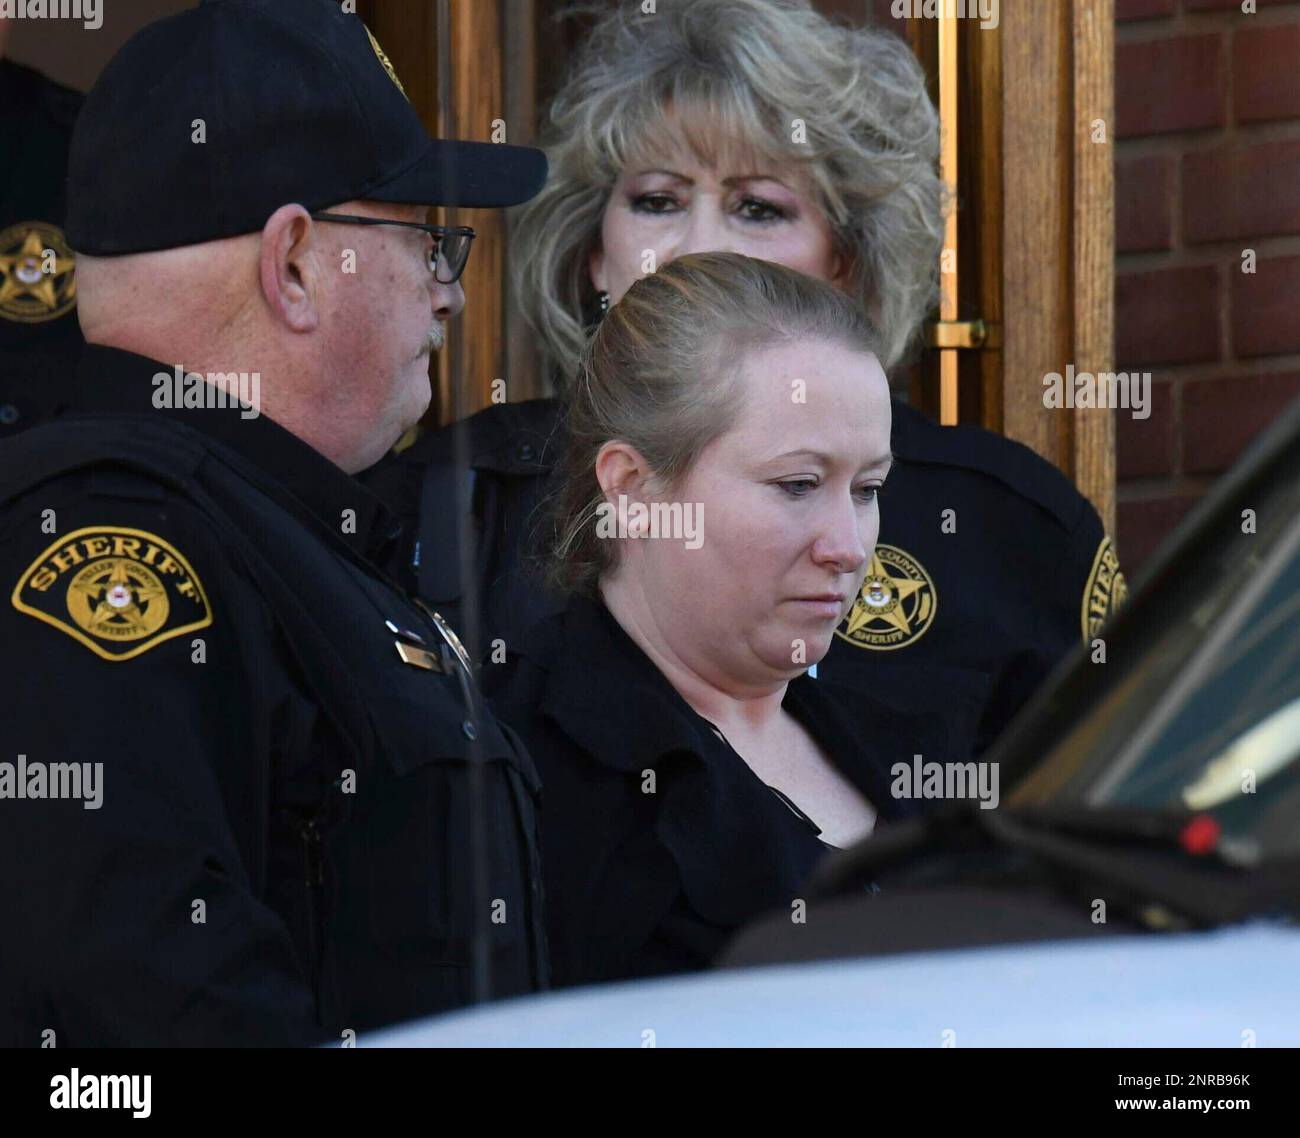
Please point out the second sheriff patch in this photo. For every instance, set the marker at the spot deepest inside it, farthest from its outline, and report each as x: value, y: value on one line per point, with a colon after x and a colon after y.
x: 118, y: 591
x: 1105, y: 592
x: 38, y: 280
x: 895, y: 606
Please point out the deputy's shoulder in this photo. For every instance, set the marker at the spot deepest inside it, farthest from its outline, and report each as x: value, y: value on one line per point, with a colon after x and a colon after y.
x: 159, y: 451
x: 1001, y: 463
x: 29, y: 90
x: 101, y: 545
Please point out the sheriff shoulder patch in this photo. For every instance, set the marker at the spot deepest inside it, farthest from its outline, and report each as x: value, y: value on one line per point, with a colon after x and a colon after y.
x: 1105, y: 591
x: 38, y: 280
x: 118, y: 591
x: 895, y: 606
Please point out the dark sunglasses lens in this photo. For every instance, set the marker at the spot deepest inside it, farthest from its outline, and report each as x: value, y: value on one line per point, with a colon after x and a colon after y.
x: 453, y: 252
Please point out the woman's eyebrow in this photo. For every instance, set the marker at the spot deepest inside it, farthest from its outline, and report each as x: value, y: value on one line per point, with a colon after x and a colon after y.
x: 667, y: 173
x: 731, y: 182
x: 737, y: 179
x: 804, y: 452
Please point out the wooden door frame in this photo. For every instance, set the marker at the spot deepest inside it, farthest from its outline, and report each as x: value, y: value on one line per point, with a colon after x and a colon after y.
x: 489, y: 102
x: 1036, y: 250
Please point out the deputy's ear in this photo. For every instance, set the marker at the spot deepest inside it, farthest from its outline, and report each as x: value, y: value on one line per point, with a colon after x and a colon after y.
x: 289, y: 268
x: 621, y: 469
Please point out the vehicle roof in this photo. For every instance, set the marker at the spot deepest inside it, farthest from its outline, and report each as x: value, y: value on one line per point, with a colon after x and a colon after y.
x: 1167, y: 990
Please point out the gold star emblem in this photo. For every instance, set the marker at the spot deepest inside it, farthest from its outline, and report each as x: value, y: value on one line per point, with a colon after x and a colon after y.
x: 895, y: 605
x: 119, y: 599
x: 37, y: 274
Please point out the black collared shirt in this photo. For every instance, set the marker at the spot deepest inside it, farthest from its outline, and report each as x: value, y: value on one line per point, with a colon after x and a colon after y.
x: 658, y: 840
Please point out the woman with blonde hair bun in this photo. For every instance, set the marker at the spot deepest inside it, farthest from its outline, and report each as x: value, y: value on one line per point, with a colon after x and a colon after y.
x: 715, y: 513
x: 761, y: 127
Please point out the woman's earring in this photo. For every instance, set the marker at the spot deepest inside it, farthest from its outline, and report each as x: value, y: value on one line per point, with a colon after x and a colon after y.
x: 604, y: 302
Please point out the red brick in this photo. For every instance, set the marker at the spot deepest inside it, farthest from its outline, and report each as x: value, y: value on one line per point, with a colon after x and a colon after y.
x: 1222, y: 416
x: 1266, y: 308
x: 1169, y: 84
x: 1224, y: 5
x: 1143, y: 203
x: 1145, y: 447
x: 1142, y: 9
x: 1143, y: 525
x: 1247, y: 191
x: 1167, y: 316
x: 1266, y: 73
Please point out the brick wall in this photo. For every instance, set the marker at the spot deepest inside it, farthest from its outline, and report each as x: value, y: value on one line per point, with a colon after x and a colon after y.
x: 1207, y: 166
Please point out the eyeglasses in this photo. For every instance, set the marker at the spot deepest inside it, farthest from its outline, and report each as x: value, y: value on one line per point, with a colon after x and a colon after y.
x: 450, y: 245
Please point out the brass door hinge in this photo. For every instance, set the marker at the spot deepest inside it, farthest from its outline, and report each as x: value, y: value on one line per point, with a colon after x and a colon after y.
x: 967, y: 334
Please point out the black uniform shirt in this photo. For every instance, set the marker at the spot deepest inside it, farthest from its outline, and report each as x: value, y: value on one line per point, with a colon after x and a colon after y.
x: 285, y: 839
x: 658, y: 840
x: 990, y: 566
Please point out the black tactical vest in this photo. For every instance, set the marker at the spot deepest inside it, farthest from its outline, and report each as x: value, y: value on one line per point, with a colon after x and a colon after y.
x: 401, y: 925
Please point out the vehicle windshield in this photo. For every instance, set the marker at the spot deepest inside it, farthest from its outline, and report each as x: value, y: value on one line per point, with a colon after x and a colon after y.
x: 1203, y: 713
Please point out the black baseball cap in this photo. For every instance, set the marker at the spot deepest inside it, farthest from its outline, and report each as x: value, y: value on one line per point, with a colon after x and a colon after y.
x: 298, y: 104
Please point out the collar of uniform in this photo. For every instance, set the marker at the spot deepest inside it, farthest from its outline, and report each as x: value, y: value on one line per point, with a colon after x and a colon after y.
x: 111, y: 381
